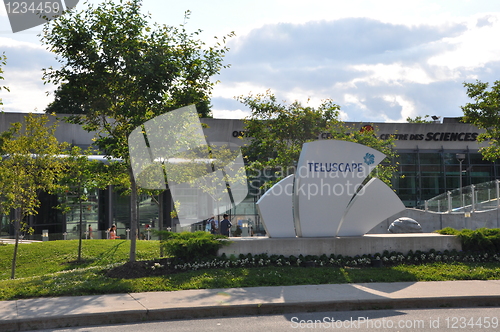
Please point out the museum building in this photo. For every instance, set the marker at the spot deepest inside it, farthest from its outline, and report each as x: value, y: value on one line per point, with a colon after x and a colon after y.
x: 433, y: 158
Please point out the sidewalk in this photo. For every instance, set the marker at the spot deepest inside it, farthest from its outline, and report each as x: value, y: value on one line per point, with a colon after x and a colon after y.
x: 44, y: 313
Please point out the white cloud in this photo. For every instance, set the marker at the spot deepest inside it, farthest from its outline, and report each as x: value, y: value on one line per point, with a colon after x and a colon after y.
x: 231, y: 114
x: 407, y: 107
x: 231, y: 90
x: 26, y: 94
x: 379, y: 60
x: 14, y: 43
x: 375, y: 71
x: 393, y: 74
x: 351, y: 99
x: 477, y: 47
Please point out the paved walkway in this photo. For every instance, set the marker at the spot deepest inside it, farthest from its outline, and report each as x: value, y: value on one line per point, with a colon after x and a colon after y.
x: 46, y: 313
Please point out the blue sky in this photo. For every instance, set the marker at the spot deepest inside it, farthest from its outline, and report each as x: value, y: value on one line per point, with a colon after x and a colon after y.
x: 381, y: 61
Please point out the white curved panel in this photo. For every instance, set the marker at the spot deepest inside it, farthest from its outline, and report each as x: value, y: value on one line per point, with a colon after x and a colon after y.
x: 275, y: 209
x: 374, y: 203
x: 177, y: 149
x: 147, y: 172
x: 328, y: 175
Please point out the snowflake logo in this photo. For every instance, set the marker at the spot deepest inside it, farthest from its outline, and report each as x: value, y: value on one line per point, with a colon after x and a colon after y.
x: 369, y: 159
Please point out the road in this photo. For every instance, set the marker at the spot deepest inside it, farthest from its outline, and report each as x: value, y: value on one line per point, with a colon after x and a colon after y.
x: 442, y: 319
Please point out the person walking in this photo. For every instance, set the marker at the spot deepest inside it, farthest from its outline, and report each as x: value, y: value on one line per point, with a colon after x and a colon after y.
x: 225, y: 225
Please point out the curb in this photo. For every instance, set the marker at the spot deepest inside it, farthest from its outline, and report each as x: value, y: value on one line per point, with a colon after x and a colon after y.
x: 135, y: 316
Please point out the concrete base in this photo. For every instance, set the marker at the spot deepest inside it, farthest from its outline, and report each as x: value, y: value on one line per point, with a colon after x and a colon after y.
x: 346, y: 246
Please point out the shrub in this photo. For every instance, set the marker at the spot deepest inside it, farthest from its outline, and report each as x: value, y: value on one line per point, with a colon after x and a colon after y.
x: 482, y: 239
x: 191, y: 247
x: 448, y: 231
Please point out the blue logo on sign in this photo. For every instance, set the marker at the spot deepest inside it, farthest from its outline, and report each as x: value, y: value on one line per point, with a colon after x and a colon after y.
x: 369, y: 159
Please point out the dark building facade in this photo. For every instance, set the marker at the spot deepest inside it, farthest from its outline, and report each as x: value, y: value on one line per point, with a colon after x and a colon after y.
x: 427, y: 165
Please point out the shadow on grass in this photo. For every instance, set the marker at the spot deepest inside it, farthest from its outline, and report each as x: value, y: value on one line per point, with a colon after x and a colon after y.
x: 284, y: 276
x: 107, y: 256
x: 94, y: 280
x: 90, y: 281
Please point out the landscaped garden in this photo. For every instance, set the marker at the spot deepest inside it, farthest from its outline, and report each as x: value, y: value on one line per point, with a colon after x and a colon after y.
x: 51, y: 268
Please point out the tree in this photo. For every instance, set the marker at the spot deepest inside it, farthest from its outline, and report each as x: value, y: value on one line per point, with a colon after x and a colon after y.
x: 117, y: 72
x: 81, y: 176
x: 3, y: 62
x: 31, y: 165
x: 484, y: 113
x: 419, y: 119
x: 277, y: 132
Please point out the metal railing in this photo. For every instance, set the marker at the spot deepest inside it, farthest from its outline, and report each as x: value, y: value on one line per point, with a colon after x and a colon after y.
x: 472, y: 198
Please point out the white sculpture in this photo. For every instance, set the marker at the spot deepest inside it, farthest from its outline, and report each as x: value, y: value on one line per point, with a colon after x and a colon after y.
x: 328, y: 198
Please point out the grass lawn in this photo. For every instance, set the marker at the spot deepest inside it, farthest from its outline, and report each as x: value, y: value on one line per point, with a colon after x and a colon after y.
x: 49, y: 269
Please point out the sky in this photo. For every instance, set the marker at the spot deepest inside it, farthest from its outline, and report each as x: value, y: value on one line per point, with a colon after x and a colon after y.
x: 381, y: 61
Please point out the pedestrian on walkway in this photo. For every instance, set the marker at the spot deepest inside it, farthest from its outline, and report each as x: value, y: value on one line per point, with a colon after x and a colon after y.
x: 225, y: 225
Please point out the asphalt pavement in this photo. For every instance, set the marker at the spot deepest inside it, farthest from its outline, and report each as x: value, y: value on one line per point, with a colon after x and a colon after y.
x: 47, y: 313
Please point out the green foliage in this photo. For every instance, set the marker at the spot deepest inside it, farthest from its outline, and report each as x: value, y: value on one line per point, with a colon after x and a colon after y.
x: 419, y: 119
x: 191, y: 247
x: 49, y: 269
x: 41, y: 258
x: 31, y: 165
x: 485, y: 240
x: 82, y: 175
x: 117, y: 72
x: 484, y: 113
x: 277, y: 132
x: 448, y: 231
x: 3, y: 62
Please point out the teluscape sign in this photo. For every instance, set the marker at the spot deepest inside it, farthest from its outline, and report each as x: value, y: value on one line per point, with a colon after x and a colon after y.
x: 327, y: 197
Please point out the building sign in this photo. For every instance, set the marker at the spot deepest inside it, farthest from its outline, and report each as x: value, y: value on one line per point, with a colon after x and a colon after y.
x: 434, y: 136
x: 429, y: 136
x: 449, y: 135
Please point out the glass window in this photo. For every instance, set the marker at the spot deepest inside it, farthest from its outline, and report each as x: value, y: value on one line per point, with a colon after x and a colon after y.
x: 407, y: 158
x: 408, y: 192
x: 434, y: 182
x: 430, y: 168
x: 450, y: 159
x: 430, y: 158
x: 408, y: 168
x: 452, y: 182
x: 477, y: 158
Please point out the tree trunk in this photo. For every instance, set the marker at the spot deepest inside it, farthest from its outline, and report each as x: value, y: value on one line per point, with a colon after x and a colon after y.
x: 133, y: 215
x: 81, y: 222
x: 17, y: 228
x: 161, y: 207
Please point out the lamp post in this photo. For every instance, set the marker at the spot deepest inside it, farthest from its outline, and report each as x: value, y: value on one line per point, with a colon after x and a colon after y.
x: 461, y: 157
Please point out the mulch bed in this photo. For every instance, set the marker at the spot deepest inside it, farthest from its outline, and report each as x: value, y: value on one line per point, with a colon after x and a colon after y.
x: 141, y: 269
